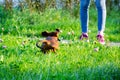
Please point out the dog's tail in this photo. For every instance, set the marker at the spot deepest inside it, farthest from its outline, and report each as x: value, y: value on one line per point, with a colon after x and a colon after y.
x: 44, y: 43
x: 37, y: 44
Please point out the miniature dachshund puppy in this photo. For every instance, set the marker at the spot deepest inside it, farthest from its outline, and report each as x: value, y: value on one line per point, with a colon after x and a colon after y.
x: 51, y: 42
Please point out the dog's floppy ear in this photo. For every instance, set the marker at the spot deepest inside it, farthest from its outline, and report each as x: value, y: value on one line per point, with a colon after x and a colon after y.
x: 44, y: 33
x: 58, y: 30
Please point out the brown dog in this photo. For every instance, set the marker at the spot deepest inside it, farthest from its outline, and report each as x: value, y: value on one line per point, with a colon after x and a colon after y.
x: 51, y: 42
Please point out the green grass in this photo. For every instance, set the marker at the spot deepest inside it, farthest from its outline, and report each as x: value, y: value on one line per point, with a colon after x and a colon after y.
x: 74, y: 61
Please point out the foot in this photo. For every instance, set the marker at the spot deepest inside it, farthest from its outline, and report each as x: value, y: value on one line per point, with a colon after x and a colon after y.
x: 100, y: 38
x: 84, y: 37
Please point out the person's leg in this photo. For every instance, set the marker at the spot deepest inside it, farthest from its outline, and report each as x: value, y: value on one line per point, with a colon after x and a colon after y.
x: 101, y: 8
x: 84, y: 16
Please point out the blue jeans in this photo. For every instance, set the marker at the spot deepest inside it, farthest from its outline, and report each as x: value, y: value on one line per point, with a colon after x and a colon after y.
x: 84, y: 16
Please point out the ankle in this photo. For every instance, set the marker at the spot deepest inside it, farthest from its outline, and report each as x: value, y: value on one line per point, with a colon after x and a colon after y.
x: 100, y: 33
x: 85, y: 33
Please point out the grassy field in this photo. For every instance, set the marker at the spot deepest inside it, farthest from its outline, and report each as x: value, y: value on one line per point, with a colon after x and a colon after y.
x: 20, y: 59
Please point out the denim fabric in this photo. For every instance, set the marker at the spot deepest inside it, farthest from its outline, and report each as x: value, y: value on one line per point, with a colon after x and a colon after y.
x: 84, y: 16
